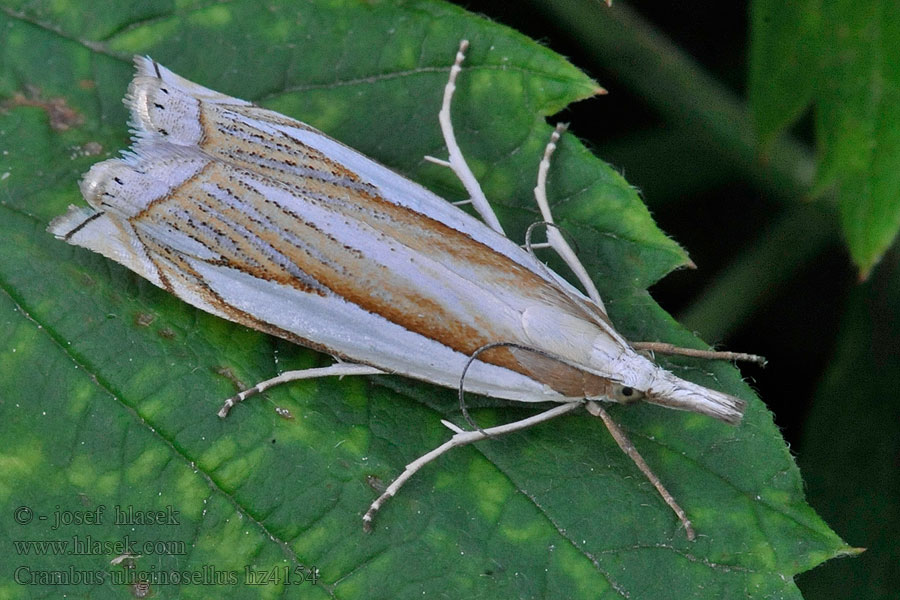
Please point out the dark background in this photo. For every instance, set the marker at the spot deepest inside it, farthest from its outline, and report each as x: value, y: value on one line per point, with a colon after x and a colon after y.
x: 796, y: 298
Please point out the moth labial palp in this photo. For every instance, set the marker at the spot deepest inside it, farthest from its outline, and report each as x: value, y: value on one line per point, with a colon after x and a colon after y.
x: 265, y: 221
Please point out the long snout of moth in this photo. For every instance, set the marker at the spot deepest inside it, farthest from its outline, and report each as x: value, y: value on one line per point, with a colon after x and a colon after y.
x: 577, y: 380
x: 671, y: 391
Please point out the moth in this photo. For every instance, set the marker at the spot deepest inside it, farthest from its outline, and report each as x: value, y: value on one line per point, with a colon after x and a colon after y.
x: 263, y: 220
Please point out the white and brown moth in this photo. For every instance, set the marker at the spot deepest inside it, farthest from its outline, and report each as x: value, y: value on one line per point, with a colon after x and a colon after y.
x: 265, y: 221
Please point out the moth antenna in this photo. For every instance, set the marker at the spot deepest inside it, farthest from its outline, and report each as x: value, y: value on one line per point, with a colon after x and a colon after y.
x: 666, y: 348
x: 462, y: 386
x: 528, y: 232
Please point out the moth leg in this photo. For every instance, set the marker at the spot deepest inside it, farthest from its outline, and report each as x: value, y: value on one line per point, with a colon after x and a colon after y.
x: 628, y: 448
x: 554, y: 237
x: 457, y: 163
x: 336, y: 370
x: 664, y: 348
x: 460, y: 438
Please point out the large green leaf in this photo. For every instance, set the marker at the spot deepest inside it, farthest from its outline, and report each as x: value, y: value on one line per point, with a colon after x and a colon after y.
x: 109, y: 386
x: 842, y: 56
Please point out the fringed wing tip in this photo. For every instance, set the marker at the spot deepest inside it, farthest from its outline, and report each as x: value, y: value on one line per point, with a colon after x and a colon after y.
x: 65, y: 224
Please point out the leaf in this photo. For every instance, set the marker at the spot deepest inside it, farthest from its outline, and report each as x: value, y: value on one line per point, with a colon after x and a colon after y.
x: 840, y: 56
x: 109, y: 386
x: 785, y: 56
x: 850, y: 448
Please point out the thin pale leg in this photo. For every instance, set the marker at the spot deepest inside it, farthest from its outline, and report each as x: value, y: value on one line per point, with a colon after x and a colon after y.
x: 628, y: 448
x: 457, y: 163
x: 554, y: 237
x: 665, y: 348
x: 336, y: 370
x: 556, y: 241
x: 460, y: 438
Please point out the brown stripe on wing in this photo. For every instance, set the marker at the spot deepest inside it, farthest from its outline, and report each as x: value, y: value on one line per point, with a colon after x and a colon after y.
x: 306, y: 171
x: 174, y: 267
x: 191, y: 210
x: 230, y: 136
x: 564, y: 378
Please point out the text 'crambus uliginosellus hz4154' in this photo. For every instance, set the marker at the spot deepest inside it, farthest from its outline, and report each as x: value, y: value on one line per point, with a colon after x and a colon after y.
x: 263, y: 220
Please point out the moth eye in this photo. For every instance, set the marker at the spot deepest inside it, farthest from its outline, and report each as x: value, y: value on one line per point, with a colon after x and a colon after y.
x: 626, y: 394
